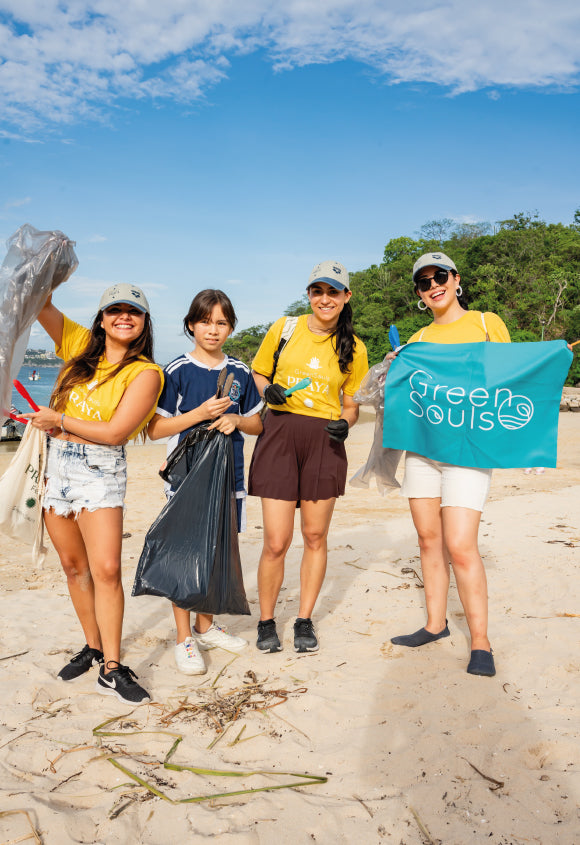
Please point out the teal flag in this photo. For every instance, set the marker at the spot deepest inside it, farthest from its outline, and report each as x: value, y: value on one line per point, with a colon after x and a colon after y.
x: 477, y: 404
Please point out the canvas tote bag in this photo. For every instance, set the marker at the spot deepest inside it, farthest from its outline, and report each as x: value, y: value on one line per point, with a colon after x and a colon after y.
x: 21, y: 493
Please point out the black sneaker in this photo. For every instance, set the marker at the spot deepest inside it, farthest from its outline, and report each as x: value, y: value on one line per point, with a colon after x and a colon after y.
x: 120, y: 682
x: 304, y: 636
x: 267, y: 636
x: 80, y: 663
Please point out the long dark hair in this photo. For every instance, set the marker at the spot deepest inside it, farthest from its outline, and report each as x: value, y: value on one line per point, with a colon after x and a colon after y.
x: 463, y: 300
x: 81, y: 369
x: 203, y: 304
x: 343, y: 339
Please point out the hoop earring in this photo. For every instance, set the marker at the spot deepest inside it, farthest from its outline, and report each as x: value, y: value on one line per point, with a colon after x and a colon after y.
x: 421, y: 305
x: 459, y: 291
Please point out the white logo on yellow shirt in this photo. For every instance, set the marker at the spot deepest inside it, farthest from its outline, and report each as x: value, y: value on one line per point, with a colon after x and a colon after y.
x: 314, y: 363
x: 84, y: 407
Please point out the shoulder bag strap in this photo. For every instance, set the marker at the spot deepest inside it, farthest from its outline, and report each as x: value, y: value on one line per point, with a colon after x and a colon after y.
x: 487, y: 338
x: 287, y: 332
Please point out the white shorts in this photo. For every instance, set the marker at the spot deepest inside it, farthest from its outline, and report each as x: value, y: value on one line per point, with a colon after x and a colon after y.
x: 457, y: 487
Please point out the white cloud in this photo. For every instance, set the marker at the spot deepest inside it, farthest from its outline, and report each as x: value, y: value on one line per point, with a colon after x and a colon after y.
x: 97, y: 239
x: 17, y: 203
x: 69, y: 60
x: 87, y: 287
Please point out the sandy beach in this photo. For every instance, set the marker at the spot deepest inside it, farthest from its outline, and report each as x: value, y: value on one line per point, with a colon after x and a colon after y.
x: 413, y: 749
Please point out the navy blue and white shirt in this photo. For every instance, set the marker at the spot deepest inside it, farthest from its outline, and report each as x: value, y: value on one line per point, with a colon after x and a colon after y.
x: 188, y: 383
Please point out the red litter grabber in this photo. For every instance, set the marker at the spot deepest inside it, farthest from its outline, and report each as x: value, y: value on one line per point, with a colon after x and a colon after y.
x: 25, y: 395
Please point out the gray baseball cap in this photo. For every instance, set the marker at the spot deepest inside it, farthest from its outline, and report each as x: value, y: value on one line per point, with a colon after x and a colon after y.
x: 433, y: 259
x: 332, y: 272
x: 124, y: 293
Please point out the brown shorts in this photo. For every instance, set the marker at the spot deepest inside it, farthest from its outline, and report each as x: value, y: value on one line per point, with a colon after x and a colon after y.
x: 295, y: 459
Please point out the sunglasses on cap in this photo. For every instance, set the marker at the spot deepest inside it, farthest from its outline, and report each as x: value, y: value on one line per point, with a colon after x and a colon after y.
x: 439, y: 277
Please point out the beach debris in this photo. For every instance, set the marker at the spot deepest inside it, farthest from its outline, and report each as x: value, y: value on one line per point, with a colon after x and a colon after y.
x: 34, y: 834
x: 48, y: 707
x: 19, y: 736
x: 278, y: 716
x: 498, y: 784
x: 352, y: 563
x: 367, y: 808
x: 516, y: 696
x: 220, y: 712
x: 423, y: 828
x: 570, y: 543
x: 408, y: 570
x: 298, y: 779
x: 553, y: 616
x: 221, y: 709
x: 18, y: 654
x: 66, y: 780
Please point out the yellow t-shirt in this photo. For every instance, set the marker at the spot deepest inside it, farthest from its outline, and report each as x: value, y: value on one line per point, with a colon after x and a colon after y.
x: 313, y: 355
x: 92, y: 401
x: 471, y: 328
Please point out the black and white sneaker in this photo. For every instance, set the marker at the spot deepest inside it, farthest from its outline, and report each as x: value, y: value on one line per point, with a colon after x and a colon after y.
x: 80, y: 663
x: 304, y: 636
x: 268, y: 640
x: 120, y: 682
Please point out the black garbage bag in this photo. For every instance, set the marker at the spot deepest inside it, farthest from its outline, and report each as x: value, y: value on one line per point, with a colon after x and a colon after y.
x: 185, y: 455
x: 191, y: 554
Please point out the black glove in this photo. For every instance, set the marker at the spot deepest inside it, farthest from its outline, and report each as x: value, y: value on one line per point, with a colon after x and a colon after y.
x: 274, y: 394
x: 337, y: 430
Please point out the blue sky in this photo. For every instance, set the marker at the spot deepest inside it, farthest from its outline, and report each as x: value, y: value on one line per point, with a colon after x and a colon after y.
x: 236, y: 144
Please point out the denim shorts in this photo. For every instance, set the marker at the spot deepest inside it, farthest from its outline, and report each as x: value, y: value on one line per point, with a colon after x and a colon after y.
x: 84, y: 477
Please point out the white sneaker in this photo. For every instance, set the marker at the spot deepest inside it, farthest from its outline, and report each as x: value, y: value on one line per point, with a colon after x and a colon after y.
x: 188, y: 659
x: 216, y: 637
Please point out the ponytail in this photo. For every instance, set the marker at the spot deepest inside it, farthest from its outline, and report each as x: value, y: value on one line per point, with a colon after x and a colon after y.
x: 343, y: 339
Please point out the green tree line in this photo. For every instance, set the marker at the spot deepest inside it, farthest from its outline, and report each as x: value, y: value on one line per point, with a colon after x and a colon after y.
x: 524, y: 269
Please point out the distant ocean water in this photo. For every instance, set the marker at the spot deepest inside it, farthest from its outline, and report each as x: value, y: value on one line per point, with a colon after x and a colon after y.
x: 40, y: 390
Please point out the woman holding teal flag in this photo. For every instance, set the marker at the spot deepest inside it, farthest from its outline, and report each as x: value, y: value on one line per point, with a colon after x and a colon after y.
x: 446, y: 501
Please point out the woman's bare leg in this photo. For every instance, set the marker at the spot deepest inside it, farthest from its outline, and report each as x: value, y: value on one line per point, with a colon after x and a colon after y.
x: 315, y: 523
x: 427, y: 519
x: 460, y: 528
x: 102, y: 532
x: 68, y: 542
x: 182, y: 623
x: 202, y: 622
x: 278, y: 519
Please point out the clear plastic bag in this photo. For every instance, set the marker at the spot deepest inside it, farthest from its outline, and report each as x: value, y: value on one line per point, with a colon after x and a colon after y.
x: 191, y: 554
x: 36, y: 264
x: 372, y: 389
x: 381, y: 463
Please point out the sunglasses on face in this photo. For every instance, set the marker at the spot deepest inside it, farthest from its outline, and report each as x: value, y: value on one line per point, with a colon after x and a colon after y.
x: 424, y: 282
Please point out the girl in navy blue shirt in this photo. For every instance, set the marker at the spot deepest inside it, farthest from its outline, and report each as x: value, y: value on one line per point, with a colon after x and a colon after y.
x: 188, y: 398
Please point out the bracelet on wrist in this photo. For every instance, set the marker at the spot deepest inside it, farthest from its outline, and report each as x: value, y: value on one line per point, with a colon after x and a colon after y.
x: 62, y: 424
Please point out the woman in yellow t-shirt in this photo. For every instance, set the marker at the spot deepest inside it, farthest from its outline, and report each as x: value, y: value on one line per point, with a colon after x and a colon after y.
x: 106, y: 393
x: 447, y: 501
x: 300, y: 457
